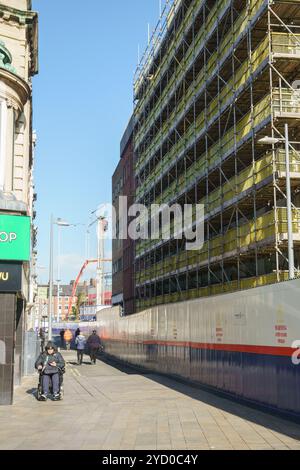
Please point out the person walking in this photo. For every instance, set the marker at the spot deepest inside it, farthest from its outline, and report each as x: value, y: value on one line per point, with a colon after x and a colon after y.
x: 77, y: 332
x: 94, y: 345
x: 80, y: 342
x: 68, y: 336
x: 62, y: 341
x: 49, y: 364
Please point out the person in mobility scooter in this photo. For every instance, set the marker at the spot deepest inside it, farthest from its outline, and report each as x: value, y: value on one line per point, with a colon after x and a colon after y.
x: 50, y: 365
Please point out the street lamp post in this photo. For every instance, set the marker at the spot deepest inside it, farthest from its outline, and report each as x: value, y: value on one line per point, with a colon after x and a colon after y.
x: 273, y: 141
x: 58, y: 273
x: 101, y: 221
x: 60, y: 223
x: 50, y: 281
x: 58, y: 300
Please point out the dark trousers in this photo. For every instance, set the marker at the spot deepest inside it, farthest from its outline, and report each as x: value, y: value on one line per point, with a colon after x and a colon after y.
x: 46, y: 382
x: 80, y: 355
x: 93, y: 354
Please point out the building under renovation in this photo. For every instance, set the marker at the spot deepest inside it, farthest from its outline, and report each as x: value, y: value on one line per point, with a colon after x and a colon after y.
x: 217, y: 78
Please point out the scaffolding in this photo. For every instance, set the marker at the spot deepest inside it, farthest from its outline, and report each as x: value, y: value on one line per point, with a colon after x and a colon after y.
x: 221, y: 75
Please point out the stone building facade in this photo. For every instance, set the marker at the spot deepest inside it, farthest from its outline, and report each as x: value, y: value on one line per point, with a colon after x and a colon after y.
x: 18, y: 64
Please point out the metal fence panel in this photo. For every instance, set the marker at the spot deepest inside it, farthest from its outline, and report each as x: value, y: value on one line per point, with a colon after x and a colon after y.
x: 31, y: 351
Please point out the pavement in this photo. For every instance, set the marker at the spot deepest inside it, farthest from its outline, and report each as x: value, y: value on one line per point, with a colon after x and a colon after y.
x: 111, y: 407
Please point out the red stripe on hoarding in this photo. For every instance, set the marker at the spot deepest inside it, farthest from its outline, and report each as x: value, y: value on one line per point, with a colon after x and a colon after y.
x: 269, y: 350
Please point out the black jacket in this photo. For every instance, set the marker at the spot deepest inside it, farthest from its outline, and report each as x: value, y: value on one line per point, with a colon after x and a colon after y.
x: 44, y: 359
x: 93, y: 341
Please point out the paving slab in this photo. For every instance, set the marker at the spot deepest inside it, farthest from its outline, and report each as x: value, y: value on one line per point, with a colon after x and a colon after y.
x: 109, y: 407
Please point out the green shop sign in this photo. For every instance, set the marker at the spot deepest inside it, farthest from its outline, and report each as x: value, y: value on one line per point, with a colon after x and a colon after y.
x: 14, y: 238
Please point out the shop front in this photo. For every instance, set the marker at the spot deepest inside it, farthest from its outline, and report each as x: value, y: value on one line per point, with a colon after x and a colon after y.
x: 14, y: 258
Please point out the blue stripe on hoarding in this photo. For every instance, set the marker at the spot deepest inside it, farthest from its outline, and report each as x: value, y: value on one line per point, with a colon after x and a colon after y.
x: 273, y: 381
x: 263, y: 380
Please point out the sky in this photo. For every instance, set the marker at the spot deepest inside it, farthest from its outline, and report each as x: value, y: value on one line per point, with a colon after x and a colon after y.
x: 82, y: 101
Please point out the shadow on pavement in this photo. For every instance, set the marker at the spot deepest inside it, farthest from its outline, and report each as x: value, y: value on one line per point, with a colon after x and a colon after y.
x: 257, y: 415
x: 32, y: 392
x: 251, y: 413
x: 122, y: 367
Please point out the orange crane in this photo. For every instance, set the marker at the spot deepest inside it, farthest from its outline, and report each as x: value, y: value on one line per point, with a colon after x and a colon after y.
x: 86, y: 263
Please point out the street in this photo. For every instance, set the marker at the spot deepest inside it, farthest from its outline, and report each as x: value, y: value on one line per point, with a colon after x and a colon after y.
x: 114, y: 407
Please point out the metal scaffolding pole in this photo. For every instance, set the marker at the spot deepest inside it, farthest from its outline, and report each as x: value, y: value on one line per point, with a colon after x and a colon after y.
x: 289, y: 206
x: 195, y: 100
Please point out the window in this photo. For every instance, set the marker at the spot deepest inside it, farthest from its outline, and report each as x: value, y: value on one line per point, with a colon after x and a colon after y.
x: 3, y: 110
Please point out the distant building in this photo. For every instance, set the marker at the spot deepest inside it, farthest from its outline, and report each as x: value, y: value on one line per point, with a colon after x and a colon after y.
x: 123, y: 250
x: 117, y: 244
x: 92, y: 291
x: 61, y: 301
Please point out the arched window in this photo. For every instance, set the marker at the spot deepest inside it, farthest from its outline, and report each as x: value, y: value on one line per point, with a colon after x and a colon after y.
x: 6, y: 58
x: 8, y: 117
x: 3, y: 127
x: 7, y: 127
